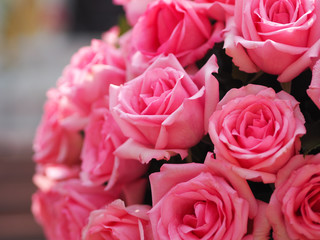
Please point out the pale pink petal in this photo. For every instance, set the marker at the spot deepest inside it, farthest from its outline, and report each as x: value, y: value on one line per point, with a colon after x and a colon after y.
x: 134, y: 150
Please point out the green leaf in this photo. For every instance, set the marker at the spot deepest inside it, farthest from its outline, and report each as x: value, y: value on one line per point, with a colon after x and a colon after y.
x: 123, y: 24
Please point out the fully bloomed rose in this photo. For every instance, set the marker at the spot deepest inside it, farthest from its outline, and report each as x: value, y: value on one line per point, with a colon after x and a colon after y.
x: 91, y: 70
x: 63, y: 210
x: 314, y: 88
x: 278, y: 37
x: 99, y: 163
x: 182, y: 28
x: 164, y: 108
x: 200, y: 201
x: 115, y: 221
x: 257, y: 130
x: 58, y: 139
x: 294, y: 208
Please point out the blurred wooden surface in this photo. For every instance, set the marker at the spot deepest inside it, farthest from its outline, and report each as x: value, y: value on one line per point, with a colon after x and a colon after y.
x: 16, y: 189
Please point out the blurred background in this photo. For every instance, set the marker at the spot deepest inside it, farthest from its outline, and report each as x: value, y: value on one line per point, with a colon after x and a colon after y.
x: 37, y: 39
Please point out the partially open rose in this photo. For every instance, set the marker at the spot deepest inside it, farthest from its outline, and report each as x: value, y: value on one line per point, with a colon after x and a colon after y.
x: 164, y: 108
x: 182, y: 28
x: 115, y: 221
x: 278, y: 37
x: 294, y: 207
x: 200, y: 201
x: 257, y: 130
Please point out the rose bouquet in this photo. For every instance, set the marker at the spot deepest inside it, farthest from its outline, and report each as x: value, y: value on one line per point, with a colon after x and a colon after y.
x: 195, y: 120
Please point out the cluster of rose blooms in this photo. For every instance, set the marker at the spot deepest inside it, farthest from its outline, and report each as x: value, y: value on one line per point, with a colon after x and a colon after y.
x: 151, y: 94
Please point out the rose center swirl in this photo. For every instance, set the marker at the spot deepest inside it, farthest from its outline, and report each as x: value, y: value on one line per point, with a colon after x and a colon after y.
x: 163, y: 94
x: 251, y: 127
x: 281, y: 11
x: 205, y: 218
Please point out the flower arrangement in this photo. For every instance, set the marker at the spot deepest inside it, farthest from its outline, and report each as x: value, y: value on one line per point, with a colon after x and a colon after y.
x: 197, y: 120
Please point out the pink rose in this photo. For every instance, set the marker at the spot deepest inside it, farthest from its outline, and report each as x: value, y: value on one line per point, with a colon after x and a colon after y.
x: 64, y: 209
x: 99, y: 164
x: 314, y: 88
x: 278, y: 37
x: 182, y: 28
x: 164, y: 108
x: 91, y: 70
x: 115, y: 221
x: 257, y: 130
x: 200, y: 201
x: 294, y: 205
x: 58, y: 139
